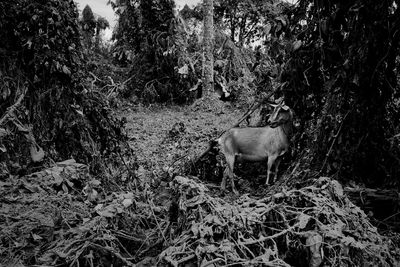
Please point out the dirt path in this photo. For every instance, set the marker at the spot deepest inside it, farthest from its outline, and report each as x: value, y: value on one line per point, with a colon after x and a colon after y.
x: 161, y: 135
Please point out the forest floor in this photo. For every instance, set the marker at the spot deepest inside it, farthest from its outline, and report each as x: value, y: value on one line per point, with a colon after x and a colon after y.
x: 165, y: 136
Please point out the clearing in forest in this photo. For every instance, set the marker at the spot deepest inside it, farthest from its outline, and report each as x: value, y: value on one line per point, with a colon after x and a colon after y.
x: 164, y: 135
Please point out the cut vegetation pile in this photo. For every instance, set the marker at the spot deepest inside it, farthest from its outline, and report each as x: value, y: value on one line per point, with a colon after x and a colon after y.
x: 62, y: 215
x: 302, y: 227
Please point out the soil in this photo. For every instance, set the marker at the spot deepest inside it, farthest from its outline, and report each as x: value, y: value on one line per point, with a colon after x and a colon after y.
x: 165, y: 136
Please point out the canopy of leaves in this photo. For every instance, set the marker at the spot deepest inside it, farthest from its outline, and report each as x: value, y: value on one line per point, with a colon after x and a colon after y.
x: 140, y: 20
x: 88, y: 19
x: 102, y: 23
x: 186, y: 12
x: 154, y: 41
x: 247, y: 21
x: 92, y: 27
x: 239, y: 26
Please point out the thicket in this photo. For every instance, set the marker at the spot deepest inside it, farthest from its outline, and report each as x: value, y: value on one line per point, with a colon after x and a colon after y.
x: 342, y: 82
x: 47, y: 104
x: 150, y: 40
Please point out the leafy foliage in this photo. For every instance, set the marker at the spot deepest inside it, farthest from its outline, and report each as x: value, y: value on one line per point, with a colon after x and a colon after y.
x: 172, y: 55
x: 52, y: 225
x: 88, y: 25
x: 101, y: 24
x: 240, y: 69
x: 92, y: 27
x: 247, y: 21
x: 47, y: 42
x: 41, y: 64
x: 88, y: 19
x: 284, y: 229
x: 342, y: 83
x: 153, y: 40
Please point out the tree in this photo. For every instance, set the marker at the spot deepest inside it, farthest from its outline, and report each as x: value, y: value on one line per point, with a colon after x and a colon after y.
x: 88, y: 25
x: 42, y: 68
x: 155, y: 41
x: 186, y: 12
x: 92, y: 27
x: 208, y: 63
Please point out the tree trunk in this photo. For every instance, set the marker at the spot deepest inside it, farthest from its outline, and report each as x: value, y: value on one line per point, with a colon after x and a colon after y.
x: 208, y: 63
x: 242, y: 30
x: 97, y: 41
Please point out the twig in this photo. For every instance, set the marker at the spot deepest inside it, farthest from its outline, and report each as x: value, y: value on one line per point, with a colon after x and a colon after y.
x: 240, y: 235
x: 173, y: 163
x: 129, y: 237
x: 155, y: 218
x: 115, y: 253
x: 95, y: 79
x: 250, y: 111
x: 185, y: 259
x: 394, y: 136
x: 127, y: 80
x: 212, y: 262
x: 94, y: 76
x: 270, y: 237
x: 222, y: 46
x: 123, y: 247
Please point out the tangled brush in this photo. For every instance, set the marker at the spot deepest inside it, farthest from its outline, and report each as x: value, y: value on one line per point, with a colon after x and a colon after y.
x: 313, y: 226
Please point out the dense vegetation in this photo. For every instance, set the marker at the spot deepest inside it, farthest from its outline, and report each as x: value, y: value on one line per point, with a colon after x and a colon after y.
x: 150, y: 36
x: 80, y: 188
x: 43, y: 67
x: 343, y: 84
